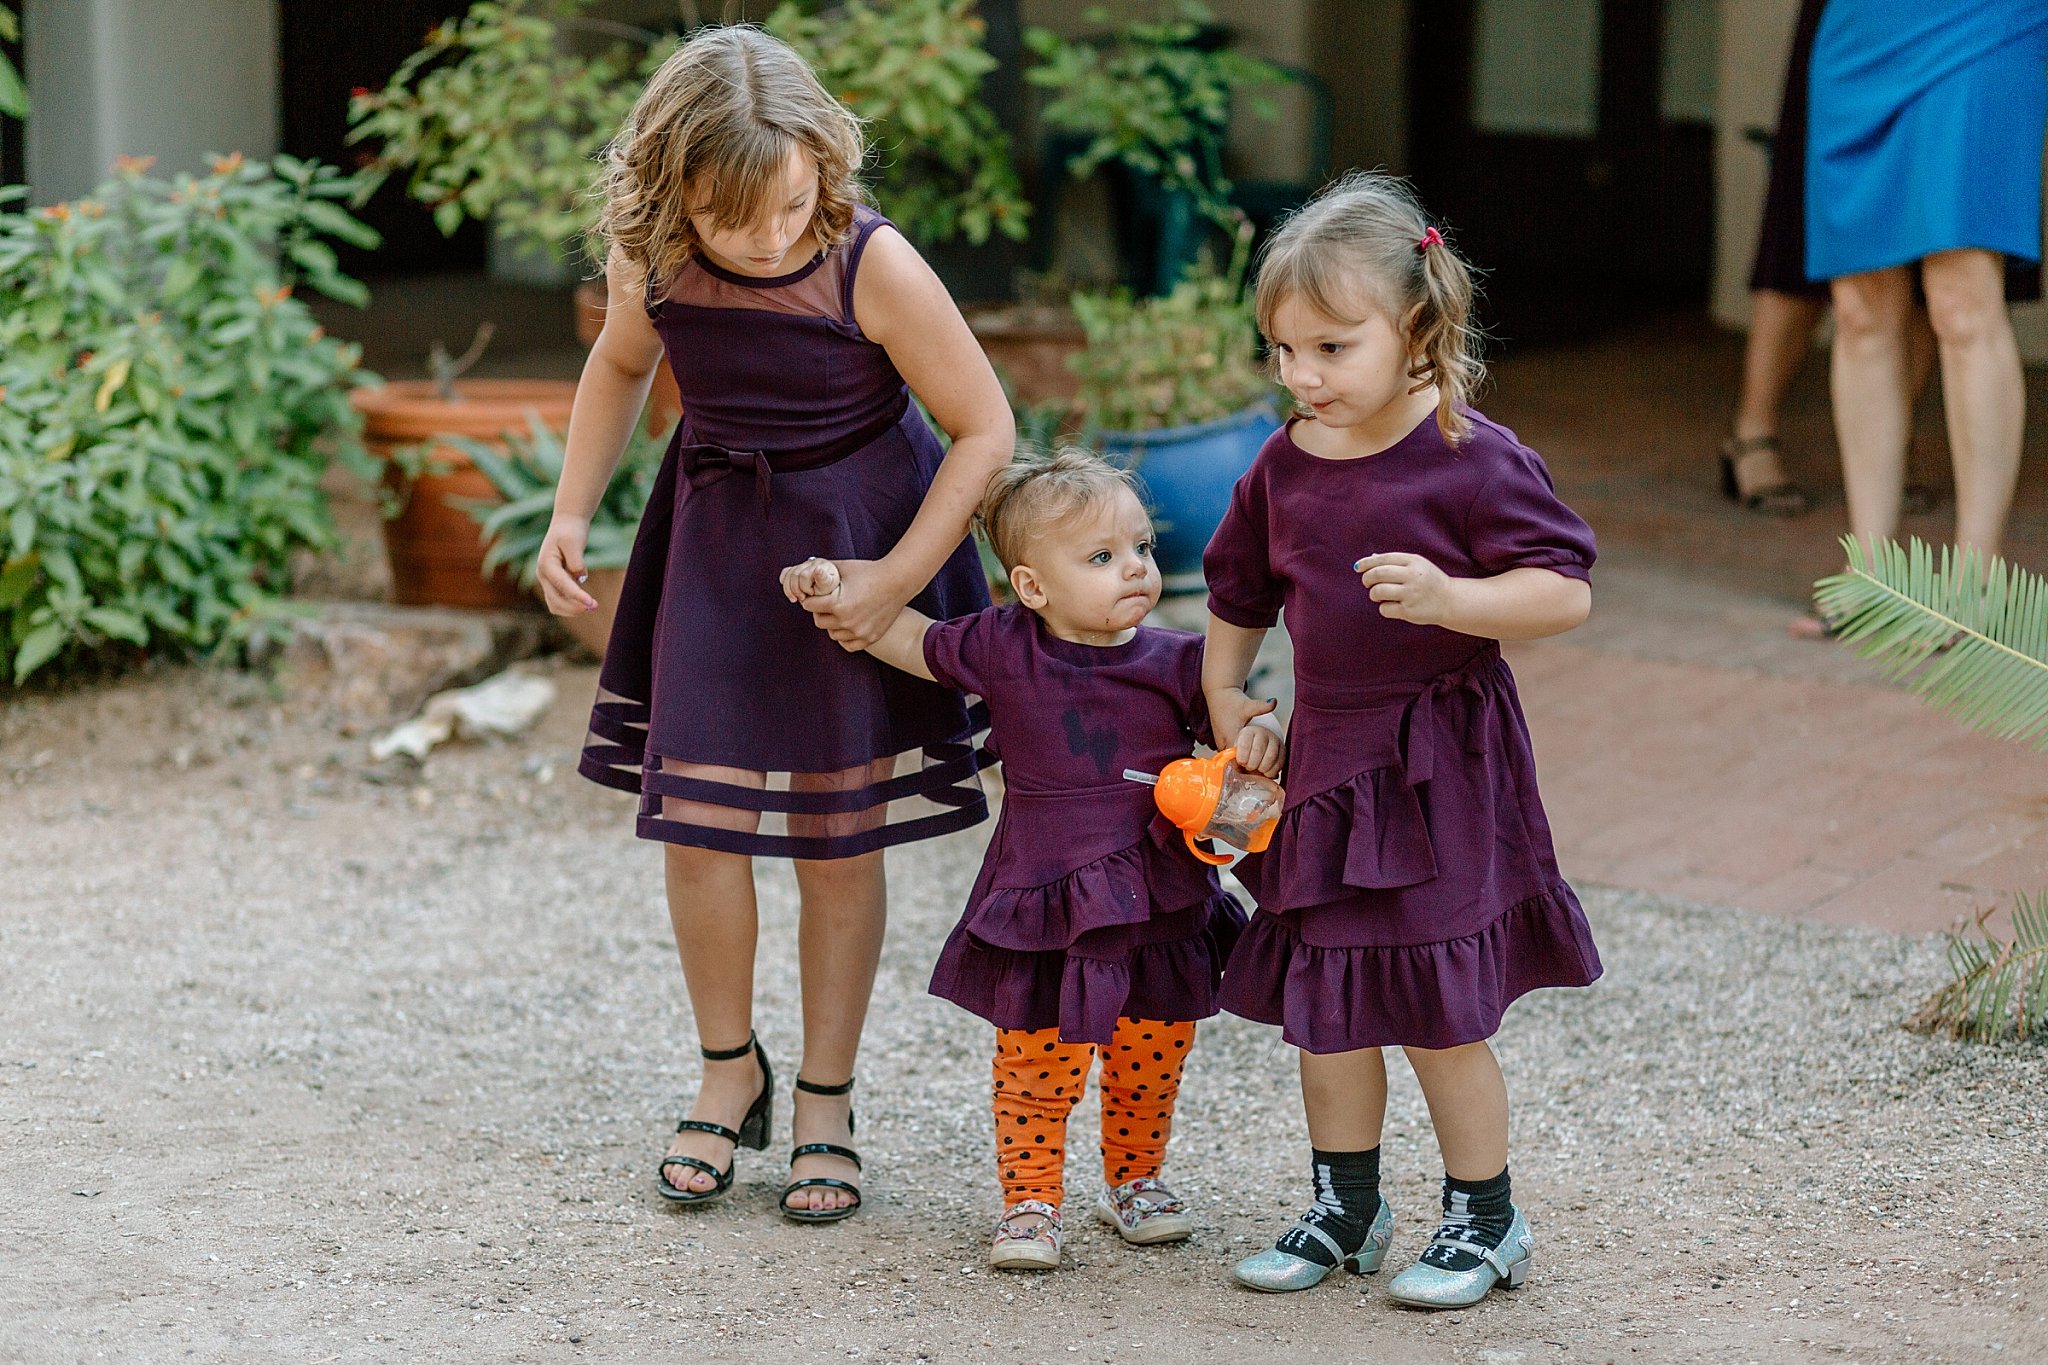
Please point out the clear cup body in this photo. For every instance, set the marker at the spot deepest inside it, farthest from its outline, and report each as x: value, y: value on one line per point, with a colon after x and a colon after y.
x: 1247, y: 803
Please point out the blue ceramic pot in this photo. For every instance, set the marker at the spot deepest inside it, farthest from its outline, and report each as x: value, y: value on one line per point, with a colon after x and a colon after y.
x: 1187, y: 474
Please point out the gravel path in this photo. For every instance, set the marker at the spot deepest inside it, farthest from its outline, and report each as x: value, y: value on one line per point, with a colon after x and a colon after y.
x: 306, y: 1059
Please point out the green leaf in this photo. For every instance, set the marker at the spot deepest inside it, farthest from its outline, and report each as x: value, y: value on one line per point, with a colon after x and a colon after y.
x: 40, y: 646
x: 119, y: 624
x: 17, y: 576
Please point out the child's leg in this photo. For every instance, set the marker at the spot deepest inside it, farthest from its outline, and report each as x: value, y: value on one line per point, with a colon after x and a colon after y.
x: 1140, y: 1077
x: 844, y: 910
x: 711, y: 905
x: 1468, y: 1103
x: 1345, y: 1096
x: 1037, y: 1080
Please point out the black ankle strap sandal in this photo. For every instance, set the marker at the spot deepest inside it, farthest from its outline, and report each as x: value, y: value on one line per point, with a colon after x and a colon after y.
x: 752, y: 1132
x: 823, y: 1182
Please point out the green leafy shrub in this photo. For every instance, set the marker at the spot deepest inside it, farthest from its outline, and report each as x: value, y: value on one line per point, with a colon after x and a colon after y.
x: 525, y: 471
x: 912, y: 70
x: 1152, y: 96
x: 169, y: 405
x: 13, y: 98
x: 1190, y: 355
x: 1970, y: 634
x: 501, y: 118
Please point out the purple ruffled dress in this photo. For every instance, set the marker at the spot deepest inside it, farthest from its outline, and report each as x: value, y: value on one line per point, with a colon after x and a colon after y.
x: 739, y: 723
x: 1410, y: 893
x: 1088, y: 907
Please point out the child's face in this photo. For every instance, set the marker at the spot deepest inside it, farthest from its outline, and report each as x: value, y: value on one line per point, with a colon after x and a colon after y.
x: 1091, y: 575
x: 1347, y: 373
x: 766, y: 246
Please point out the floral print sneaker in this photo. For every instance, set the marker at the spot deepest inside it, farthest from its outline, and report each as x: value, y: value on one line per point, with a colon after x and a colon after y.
x: 1024, y: 1243
x: 1145, y: 1213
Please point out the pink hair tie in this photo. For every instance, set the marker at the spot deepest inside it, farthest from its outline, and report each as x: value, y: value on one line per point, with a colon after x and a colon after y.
x: 1430, y: 238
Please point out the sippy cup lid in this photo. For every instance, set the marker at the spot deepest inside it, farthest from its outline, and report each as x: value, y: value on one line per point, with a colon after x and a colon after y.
x: 1189, y: 789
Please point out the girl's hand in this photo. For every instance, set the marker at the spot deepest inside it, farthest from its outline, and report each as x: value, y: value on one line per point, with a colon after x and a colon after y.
x: 1408, y: 587
x: 1230, y: 711
x: 866, y: 605
x: 1262, y: 746
x: 561, y: 567
x: 811, y: 579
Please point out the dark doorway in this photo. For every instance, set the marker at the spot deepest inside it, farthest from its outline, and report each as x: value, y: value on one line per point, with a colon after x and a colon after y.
x: 327, y: 51
x: 1543, y: 135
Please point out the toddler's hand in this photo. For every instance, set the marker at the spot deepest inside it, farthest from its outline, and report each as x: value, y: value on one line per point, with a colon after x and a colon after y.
x: 1262, y: 747
x: 814, y: 578
x: 1230, y: 710
x: 1407, y: 587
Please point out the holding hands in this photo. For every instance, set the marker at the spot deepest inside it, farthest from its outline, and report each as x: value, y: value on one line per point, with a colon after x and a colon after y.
x: 852, y: 600
x: 1249, y: 727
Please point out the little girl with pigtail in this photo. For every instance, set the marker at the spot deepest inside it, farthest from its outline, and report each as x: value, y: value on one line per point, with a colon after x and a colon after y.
x: 1410, y: 892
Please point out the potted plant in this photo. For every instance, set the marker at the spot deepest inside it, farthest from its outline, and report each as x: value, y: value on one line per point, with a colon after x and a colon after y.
x: 1152, y: 97
x: 523, y: 472
x: 502, y: 116
x: 423, y: 431
x: 1173, y: 387
x: 170, y: 407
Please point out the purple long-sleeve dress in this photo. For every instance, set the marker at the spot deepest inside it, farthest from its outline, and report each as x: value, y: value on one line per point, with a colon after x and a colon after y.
x: 1410, y: 892
x: 1089, y: 906
x: 741, y: 725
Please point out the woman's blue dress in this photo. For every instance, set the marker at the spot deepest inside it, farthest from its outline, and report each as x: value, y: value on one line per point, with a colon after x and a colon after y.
x: 1925, y: 129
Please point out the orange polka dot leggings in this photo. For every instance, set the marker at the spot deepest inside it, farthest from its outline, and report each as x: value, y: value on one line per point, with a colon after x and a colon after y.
x: 1038, y: 1078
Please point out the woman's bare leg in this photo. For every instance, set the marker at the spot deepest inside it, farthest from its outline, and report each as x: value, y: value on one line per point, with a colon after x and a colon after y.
x: 1872, y: 398
x: 1981, y: 386
x: 839, y: 947
x: 711, y: 905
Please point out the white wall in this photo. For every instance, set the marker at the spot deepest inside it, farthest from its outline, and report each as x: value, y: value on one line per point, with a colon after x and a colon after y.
x: 173, y: 79
x: 1756, y: 36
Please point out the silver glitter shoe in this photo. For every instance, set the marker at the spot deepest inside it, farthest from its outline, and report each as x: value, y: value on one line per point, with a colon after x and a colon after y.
x: 1145, y: 1213
x: 1426, y: 1286
x: 1274, y: 1271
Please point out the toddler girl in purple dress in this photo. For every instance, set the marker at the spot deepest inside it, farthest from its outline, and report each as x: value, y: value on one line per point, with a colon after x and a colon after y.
x: 1090, y: 928
x: 1410, y: 892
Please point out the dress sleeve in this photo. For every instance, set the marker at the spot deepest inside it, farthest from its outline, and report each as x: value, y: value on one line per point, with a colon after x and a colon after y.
x: 1194, y: 702
x: 1243, y: 588
x: 957, y: 652
x: 1518, y: 522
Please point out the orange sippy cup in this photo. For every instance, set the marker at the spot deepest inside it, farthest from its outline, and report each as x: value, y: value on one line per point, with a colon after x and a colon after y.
x: 1213, y: 798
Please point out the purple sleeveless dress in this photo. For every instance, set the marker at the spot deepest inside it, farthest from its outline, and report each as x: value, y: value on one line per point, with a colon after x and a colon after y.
x: 1410, y: 893
x: 1088, y: 907
x: 741, y: 725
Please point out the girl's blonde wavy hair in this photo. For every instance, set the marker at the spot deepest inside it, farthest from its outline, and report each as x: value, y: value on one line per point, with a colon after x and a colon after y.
x: 1359, y: 245
x: 714, y: 130
x: 1033, y: 491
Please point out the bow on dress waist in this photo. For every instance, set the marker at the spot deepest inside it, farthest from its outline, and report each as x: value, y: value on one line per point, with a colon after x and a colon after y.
x: 1428, y: 715
x: 705, y: 465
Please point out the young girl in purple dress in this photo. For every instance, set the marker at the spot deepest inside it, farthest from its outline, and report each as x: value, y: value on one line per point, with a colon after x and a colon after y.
x: 1410, y: 892
x: 798, y: 322
x: 1091, y: 928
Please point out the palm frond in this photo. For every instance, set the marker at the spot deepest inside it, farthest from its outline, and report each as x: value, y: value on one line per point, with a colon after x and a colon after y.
x: 2000, y: 986
x: 1970, y: 634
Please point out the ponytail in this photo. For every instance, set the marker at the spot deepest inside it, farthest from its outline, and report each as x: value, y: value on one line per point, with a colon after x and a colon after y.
x: 1444, y: 341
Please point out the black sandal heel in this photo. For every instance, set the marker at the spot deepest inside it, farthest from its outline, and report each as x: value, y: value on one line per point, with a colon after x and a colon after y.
x: 823, y: 1182
x: 753, y: 1131
x: 1783, y: 499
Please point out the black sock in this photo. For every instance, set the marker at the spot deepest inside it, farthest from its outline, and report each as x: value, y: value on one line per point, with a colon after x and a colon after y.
x: 1476, y: 1212
x: 1347, y: 1200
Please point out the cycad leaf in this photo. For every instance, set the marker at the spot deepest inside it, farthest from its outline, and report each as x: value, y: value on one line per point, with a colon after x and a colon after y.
x: 1968, y: 634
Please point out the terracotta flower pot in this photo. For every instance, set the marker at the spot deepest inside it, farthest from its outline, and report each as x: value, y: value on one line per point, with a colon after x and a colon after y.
x: 594, y: 628
x: 436, y: 548
x: 664, y: 402
x: 1029, y: 345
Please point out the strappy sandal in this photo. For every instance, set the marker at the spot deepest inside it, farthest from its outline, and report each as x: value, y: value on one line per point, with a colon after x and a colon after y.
x: 1782, y: 499
x: 753, y: 1131
x: 823, y: 1182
